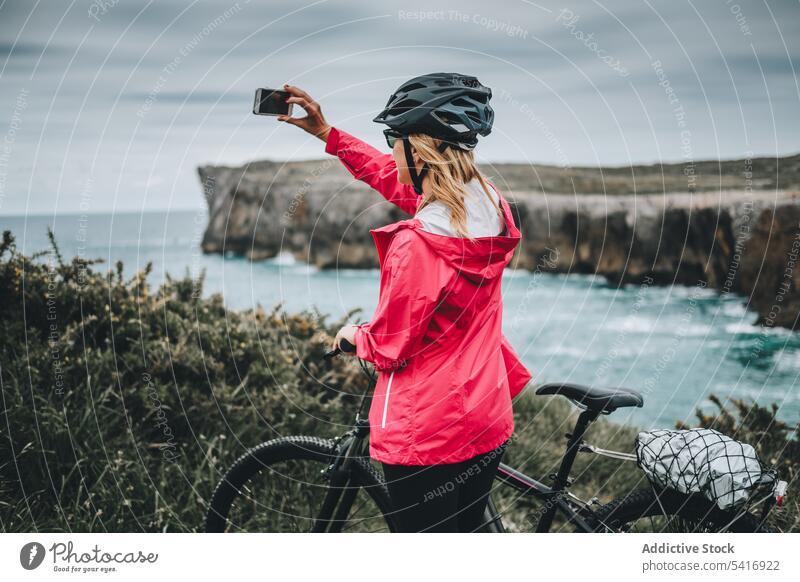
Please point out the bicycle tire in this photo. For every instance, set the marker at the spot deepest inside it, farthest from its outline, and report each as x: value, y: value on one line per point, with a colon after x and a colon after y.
x: 293, y: 448
x: 692, y: 513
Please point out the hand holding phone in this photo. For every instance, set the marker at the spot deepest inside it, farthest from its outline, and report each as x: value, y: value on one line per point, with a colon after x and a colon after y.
x: 314, y: 122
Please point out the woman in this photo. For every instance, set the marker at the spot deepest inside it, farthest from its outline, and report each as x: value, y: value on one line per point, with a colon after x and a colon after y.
x: 441, y: 413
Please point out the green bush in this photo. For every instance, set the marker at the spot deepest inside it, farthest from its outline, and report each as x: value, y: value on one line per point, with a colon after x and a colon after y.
x: 776, y: 442
x: 123, y: 406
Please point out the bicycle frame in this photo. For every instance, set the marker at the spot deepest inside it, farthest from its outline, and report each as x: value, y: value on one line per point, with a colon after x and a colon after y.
x: 556, y: 498
x: 342, y: 491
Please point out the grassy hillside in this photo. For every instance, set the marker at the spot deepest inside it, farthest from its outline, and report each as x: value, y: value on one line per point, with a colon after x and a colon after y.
x: 122, y: 404
x: 699, y: 176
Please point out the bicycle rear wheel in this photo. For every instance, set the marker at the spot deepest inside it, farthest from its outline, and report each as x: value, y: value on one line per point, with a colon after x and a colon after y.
x: 670, y: 511
x: 279, y: 486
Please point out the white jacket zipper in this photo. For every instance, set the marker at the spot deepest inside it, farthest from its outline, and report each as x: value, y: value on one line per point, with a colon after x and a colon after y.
x: 386, y: 400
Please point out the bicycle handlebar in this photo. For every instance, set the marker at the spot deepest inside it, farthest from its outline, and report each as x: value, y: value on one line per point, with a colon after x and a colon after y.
x: 346, y: 347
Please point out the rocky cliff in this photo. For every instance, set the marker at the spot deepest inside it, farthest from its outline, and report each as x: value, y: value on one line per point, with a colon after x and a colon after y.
x: 734, y: 226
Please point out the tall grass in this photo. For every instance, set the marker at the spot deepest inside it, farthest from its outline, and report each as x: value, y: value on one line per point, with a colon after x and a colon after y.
x: 122, y: 405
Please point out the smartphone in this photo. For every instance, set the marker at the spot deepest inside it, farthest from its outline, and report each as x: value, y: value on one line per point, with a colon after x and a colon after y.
x: 272, y: 102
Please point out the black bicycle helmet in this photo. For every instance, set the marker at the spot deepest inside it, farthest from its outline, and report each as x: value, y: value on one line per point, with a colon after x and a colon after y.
x: 450, y: 107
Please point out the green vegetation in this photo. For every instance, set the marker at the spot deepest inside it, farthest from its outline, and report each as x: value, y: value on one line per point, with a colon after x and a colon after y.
x: 122, y: 405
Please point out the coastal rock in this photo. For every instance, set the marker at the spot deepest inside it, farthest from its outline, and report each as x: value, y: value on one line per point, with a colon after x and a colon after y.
x: 736, y: 231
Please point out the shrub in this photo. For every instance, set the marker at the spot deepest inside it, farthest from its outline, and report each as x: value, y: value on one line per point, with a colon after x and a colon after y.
x: 776, y: 442
x: 123, y: 406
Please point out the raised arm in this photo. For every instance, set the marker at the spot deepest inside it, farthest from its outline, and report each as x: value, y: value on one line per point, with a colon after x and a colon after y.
x: 361, y: 159
x: 372, y: 167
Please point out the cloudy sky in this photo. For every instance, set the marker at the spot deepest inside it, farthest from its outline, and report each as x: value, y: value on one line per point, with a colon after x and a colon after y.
x: 111, y: 105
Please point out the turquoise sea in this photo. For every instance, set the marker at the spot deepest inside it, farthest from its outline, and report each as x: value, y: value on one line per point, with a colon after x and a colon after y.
x: 678, y: 345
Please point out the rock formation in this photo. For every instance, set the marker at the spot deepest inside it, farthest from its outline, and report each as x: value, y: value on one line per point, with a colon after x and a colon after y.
x: 733, y: 226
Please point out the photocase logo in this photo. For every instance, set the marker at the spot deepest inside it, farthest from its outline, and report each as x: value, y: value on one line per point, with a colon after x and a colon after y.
x: 31, y: 555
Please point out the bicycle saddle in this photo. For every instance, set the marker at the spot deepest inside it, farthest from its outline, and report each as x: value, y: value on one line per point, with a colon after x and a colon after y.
x: 605, y: 400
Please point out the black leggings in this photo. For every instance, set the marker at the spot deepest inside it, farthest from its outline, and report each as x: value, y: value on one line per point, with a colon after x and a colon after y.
x: 442, y: 498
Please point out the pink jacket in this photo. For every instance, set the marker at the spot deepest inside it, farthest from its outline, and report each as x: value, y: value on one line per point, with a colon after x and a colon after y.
x: 448, y: 373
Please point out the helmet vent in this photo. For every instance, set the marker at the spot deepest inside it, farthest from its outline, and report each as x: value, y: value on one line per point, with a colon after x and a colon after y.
x: 445, y: 117
x: 405, y: 105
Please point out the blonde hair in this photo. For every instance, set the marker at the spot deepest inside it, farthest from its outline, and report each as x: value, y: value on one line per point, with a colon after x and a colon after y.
x: 449, y: 171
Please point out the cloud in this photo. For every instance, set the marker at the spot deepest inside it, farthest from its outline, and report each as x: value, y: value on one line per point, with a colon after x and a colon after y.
x: 161, y: 87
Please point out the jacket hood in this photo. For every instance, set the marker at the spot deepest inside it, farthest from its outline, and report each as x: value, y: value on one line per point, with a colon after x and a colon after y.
x: 478, y: 258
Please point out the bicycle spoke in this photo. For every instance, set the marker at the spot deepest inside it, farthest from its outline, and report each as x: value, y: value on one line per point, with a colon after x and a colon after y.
x: 287, y: 497
x: 353, y: 521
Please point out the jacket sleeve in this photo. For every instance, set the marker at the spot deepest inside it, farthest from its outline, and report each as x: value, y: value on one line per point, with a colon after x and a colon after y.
x: 372, y: 167
x: 408, y: 299
x: 518, y: 374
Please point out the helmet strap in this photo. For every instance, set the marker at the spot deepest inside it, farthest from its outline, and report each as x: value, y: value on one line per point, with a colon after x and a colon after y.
x: 416, y: 178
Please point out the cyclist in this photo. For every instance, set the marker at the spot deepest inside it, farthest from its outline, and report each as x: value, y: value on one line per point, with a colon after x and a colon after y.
x: 441, y: 412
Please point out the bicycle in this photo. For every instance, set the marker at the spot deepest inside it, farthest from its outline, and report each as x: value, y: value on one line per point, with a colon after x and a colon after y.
x: 337, y: 488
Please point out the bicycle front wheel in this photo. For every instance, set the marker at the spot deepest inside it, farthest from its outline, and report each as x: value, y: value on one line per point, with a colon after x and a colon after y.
x: 670, y: 511
x: 279, y: 486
